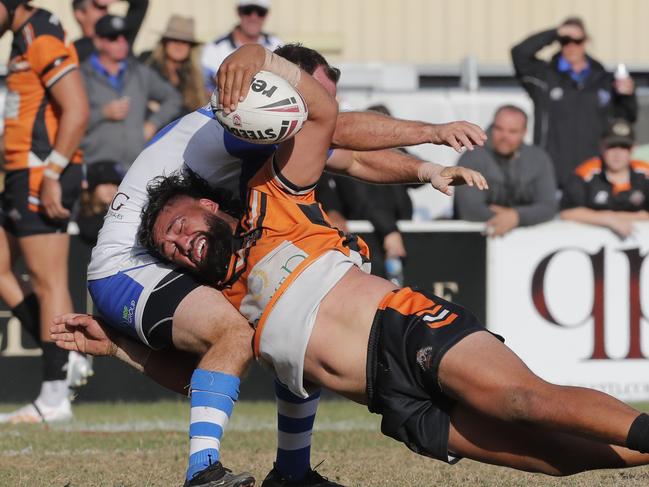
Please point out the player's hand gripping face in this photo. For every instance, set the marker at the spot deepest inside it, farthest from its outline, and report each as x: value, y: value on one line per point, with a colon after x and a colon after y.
x: 190, y: 232
x: 235, y: 75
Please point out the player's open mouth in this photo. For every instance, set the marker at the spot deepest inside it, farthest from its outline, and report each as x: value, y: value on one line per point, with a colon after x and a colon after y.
x: 199, y: 246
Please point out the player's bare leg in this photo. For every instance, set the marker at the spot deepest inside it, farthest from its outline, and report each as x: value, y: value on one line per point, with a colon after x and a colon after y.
x: 530, y: 448
x: 487, y: 376
x: 10, y: 290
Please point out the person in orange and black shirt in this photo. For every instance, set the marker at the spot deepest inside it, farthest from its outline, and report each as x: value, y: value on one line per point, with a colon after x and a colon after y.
x: 611, y: 190
x: 46, y: 114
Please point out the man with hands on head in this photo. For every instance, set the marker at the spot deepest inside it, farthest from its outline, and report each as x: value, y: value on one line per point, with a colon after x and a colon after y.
x: 574, y: 96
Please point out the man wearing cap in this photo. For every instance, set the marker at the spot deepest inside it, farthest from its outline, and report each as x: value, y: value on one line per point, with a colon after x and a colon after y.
x: 611, y: 190
x: 252, y: 15
x: 119, y: 88
x: 88, y: 12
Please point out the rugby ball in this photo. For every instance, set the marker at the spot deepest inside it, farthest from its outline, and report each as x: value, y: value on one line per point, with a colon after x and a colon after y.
x: 272, y: 111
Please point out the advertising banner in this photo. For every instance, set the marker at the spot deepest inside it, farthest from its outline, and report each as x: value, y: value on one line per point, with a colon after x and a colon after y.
x: 572, y: 301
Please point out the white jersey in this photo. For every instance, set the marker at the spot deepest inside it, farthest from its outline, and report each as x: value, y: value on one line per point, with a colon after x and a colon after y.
x: 215, y: 52
x: 196, y: 140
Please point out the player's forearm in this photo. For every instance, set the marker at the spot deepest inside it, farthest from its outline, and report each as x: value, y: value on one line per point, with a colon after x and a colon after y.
x: 170, y: 369
x: 587, y: 215
x: 386, y: 166
x: 374, y: 131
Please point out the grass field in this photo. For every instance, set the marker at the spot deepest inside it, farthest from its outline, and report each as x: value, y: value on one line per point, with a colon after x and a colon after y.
x: 146, y: 445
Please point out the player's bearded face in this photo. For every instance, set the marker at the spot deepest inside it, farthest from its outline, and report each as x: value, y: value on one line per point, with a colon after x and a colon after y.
x: 213, y: 266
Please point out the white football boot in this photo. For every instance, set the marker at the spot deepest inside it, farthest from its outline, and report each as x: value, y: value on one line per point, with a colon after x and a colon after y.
x: 78, y: 369
x: 37, y: 412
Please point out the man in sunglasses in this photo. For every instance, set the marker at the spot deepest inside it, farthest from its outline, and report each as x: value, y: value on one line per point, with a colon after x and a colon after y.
x: 574, y: 96
x: 119, y: 88
x: 88, y: 12
x: 252, y: 15
x: 611, y: 190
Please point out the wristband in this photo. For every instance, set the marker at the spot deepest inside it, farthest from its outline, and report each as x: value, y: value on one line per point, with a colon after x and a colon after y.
x: 282, y: 68
x: 57, y: 159
x: 427, y: 171
x: 51, y: 173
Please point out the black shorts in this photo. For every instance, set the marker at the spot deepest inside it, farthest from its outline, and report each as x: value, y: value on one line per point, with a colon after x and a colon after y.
x: 411, y: 333
x: 22, y: 217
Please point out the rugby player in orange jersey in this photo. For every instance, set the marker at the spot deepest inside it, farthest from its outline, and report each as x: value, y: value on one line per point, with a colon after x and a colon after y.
x: 445, y: 386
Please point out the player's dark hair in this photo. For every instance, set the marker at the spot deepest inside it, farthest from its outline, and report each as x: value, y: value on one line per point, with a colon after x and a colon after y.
x: 307, y: 59
x: 184, y: 182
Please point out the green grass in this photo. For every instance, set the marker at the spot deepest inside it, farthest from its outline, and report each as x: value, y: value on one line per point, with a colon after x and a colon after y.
x: 146, y: 445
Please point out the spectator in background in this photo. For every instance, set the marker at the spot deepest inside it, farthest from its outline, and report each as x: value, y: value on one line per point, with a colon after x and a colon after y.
x: 522, y: 188
x: 252, y: 15
x: 103, y: 178
x: 88, y: 12
x: 119, y: 88
x: 345, y: 199
x: 611, y: 190
x: 46, y: 112
x: 175, y: 58
x: 574, y: 97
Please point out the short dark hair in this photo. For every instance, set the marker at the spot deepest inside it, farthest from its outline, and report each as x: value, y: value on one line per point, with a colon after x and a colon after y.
x: 307, y: 59
x: 511, y: 108
x: 184, y: 182
x: 577, y: 22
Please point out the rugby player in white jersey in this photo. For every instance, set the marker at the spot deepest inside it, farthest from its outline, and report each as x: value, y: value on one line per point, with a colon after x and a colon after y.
x: 445, y: 386
x: 166, y: 308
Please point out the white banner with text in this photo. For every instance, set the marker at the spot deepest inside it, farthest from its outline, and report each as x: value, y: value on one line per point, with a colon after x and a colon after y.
x: 573, y: 301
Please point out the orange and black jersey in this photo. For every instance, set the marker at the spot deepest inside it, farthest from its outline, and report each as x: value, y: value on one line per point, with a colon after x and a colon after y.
x: 40, y: 56
x: 590, y: 188
x: 283, y: 231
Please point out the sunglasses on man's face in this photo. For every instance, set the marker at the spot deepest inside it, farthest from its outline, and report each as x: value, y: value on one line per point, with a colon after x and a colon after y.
x: 250, y: 9
x: 114, y: 37
x: 565, y: 40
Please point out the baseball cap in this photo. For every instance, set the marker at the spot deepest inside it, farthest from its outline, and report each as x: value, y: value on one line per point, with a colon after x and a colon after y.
x: 111, y: 26
x: 619, y: 132
x: 258, y: 3
x: 104, y: 172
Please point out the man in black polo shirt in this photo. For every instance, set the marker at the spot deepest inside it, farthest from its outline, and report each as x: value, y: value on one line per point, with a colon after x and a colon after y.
x: 611, y: 190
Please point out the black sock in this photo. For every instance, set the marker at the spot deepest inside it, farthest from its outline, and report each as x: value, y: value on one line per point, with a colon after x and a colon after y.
x: 638, y: 437
x: 28, y: 312
x: 54, y: 359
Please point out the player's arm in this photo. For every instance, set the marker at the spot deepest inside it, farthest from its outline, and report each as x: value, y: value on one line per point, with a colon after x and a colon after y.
x: 84, y: 334
x: 300, y: 159
x: 391, y: 166
x: 374, y: 131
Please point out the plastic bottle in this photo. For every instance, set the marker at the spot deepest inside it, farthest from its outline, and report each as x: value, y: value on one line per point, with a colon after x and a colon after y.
x: 394, y: 271
x: 621, y: 71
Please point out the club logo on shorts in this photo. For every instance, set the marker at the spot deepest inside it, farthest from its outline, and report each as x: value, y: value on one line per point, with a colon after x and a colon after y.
x: 425, y: 358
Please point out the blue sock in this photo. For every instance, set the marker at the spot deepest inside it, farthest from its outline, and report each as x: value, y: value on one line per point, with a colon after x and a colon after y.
x: 295, y: 417
x: 213, y: 395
